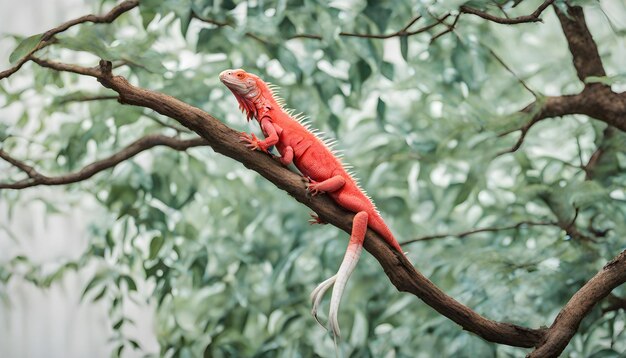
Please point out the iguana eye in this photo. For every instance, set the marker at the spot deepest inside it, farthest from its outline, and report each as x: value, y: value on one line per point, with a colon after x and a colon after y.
x: 240, y: 75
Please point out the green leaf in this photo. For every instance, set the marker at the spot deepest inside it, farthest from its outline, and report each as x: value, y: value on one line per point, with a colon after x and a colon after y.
x: 5, y: 131
x: 333, y: 122
x: 148, y: 10
x: 466, y: 188
x: 404, y: 47
x: 134, y: 343
x: 87, y: 40
x: 27, y: 45
x: 212, y: 41
x: 100, y: 295
x: 358, y: 73
x: 381, y: 108
x: 184, y: 23
x: 387, y: 70
x: 118, y: 324
x: 132, y: 286
x: 95, y: 281
x: 380, y: 15
x: 155, y: 246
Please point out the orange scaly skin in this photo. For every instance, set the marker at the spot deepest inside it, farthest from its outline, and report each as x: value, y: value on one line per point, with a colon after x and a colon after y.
x: 316, y: 161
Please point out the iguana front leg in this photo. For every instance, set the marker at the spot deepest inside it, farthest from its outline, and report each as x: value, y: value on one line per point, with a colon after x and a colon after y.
x: 287, y: 157
x: 271, y: 137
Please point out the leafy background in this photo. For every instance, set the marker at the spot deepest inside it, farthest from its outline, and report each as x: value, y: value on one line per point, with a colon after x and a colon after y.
x: 225, y: 261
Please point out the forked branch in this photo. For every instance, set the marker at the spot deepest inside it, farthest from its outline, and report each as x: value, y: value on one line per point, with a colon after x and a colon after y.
x: 35, y: 178
x: 48, y: 36
x: 534, y: 17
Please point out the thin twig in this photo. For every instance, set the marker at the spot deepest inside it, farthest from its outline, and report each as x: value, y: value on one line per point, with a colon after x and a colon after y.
x: 402, y: 32
x: 523, y: 132
x: 448, y: 30
x: 501, y: 61
x: 463, y: 234
x: 86, y: 98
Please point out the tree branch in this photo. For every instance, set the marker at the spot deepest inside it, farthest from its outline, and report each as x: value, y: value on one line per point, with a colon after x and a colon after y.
x: 566, y: 323
x: 402, y: 32
x: 595, y: 100
x: 58, y: 66
x: 86, y: 98
x: 47, y: 37
x: 534, y: 17
x: 584, y: 51
x: 463, y: 234
x: 400, y: 271
x: 138, y: 146
x: 449, y: 29
x: 548, y: 107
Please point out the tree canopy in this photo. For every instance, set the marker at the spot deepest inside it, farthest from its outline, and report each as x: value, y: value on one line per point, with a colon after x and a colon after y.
x: 490, y: 134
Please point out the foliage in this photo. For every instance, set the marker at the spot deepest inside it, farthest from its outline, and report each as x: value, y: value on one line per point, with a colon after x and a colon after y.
x: 230, y: 261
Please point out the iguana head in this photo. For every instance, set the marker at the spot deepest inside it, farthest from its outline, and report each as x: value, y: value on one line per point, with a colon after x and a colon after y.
x: 247, y: 88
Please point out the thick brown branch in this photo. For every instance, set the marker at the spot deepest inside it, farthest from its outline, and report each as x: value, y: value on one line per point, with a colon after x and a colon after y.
x: 596, y: 100
x: 400, y: 271
x: 581, y: 44
x: 464, y: 234
x: 138, y: 146
x: 566, y: 323
x: 47, y: 37
x: 534, y: 17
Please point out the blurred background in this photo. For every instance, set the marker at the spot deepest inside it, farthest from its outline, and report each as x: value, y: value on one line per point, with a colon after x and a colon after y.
x: 52, y: 322
x: 189, y: 253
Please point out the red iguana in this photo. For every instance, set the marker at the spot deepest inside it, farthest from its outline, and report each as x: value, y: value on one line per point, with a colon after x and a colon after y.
x: 316, y: 161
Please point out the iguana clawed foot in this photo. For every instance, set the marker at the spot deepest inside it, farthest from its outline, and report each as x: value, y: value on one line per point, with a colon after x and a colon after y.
x: 252, y: 142
x: 312, y: 187
x: 315, y: 219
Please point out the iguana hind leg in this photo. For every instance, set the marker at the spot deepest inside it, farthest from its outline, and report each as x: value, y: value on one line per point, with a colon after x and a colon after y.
x: 350, y: 259
x: 329, y: 185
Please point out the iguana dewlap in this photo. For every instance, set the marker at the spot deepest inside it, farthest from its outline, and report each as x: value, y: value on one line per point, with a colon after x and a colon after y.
x: 314, y: 158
